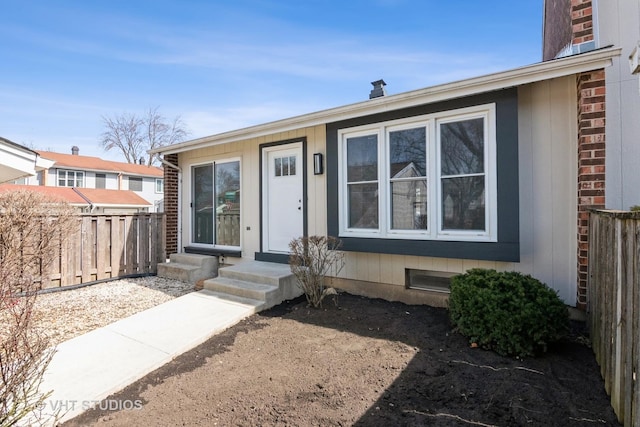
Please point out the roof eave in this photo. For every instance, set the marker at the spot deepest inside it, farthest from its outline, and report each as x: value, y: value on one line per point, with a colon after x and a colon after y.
x: 566, y: 66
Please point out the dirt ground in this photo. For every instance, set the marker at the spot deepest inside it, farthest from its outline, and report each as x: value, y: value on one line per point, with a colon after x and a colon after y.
x: 365, y: 362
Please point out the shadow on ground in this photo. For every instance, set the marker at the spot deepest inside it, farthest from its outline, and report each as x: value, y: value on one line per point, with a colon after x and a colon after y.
x: 449, y: 383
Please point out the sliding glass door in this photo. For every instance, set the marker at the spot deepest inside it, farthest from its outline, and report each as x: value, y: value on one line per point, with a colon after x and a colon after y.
x: 216, y: 204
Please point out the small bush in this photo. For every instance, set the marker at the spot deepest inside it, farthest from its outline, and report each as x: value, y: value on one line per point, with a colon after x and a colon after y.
x: 510, y: 313
x: 310, y: 260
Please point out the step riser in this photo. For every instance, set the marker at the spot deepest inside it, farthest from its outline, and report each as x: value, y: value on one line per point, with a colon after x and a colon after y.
x: 170, y: 272
x: 185, y: 273
x: 207, y: 262
x: 251, y: 277
x: 256, y: 294
x: 287, y: 290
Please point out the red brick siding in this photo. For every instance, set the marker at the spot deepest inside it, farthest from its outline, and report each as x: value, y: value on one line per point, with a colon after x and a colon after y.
x: 582, y: 21
x: 591, y: 164
x: 171, y: 204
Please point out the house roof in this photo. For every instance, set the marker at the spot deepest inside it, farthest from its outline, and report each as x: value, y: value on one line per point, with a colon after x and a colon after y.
x: 102, y: 197
x: 85, y: 196
x: 511, y: 78
x: 79, y: 162
x: 65, y: 194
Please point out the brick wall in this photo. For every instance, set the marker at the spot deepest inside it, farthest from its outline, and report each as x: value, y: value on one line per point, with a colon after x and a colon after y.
x: 581, y: 21
x: 171, y: 204
x: 591, y: 141
x: 591, y: 164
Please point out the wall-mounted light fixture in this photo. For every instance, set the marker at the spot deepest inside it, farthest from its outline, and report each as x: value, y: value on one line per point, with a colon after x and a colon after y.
x: 318, y: 166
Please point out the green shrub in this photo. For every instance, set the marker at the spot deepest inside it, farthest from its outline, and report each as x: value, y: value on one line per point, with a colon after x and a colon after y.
x: 508, y: 312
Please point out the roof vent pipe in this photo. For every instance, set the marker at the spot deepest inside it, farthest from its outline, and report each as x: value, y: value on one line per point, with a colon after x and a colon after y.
x: 141, y: 161
x: 378, y: 89
x: 75, y: 150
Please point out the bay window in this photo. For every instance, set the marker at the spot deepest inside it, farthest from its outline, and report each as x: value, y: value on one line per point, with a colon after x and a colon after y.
x: 430, y: 177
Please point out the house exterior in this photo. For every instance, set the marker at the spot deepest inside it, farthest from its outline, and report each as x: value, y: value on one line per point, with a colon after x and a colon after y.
x: 105, y: 183
x: 418, y: 186
x: 573, y: 26
x: 19, y: 162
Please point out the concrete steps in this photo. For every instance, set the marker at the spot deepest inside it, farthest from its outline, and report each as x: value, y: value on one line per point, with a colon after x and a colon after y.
x: 189, y: 267
x: 263, y: 281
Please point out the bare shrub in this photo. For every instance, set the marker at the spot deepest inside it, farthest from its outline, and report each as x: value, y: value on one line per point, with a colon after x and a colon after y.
x: 310, y: 260
x: 32, y: 228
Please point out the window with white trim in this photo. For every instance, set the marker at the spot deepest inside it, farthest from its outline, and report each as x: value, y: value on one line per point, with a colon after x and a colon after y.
x: 67, y: 178
x: 431, y: 177
x: 159, y: 185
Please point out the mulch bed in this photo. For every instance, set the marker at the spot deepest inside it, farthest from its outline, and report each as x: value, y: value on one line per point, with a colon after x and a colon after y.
x: 363, y: 362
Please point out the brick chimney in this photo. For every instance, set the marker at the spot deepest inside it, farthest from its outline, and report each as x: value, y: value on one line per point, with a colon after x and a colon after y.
x: 582, y: 24
x: 568, y: 28
x: 378, y: 89
x: 75, y: 150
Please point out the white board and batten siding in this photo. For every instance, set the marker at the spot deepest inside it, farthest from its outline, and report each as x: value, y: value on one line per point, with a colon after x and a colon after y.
x: 249, y: 154
x: 548, y: 189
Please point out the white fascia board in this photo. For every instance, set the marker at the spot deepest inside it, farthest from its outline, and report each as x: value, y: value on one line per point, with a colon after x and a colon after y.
x: 43, y: 163
x: 16, y: 163
x: 547, y: 70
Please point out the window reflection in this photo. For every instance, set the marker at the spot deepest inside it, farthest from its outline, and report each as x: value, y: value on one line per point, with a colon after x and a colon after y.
x: 463, y: 183
x: 408, y: 170
x: 362, y: 158
x: 462, y: 147
x: 228, y: 204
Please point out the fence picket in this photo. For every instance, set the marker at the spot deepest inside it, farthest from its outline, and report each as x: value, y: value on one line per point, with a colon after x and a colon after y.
x: 105, y: 246
x: 614, y: 307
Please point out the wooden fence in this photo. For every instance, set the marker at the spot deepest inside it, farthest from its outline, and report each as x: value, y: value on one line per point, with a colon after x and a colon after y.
x: 108, y: 246
x: 614, y: 307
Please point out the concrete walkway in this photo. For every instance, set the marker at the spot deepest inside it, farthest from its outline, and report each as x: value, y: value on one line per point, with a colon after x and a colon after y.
x: 90, y: 367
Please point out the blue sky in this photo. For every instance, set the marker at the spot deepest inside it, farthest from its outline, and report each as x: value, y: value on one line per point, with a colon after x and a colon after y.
x: 223, y: 65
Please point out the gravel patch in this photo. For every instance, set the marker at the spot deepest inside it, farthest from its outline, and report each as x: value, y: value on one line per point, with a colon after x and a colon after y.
x: 66, y: 314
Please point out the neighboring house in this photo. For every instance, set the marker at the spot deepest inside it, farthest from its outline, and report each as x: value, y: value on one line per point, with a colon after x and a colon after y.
x: 19, y: 162
x: 87, y: 172
x: 497, y: 171
x: 90, y: 200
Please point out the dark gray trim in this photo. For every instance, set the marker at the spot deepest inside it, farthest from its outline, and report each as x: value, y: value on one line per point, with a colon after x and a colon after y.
x: 269, y: 257
x: 507, y: 248
x: 305, y: 220
x: 212, y: 251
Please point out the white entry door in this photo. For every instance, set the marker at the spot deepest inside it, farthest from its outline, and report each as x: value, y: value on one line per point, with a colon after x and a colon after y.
x: 282, y: 197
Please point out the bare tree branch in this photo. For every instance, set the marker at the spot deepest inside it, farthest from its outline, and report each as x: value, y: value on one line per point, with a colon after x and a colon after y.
x: 133, y: 136
x: 33, y: 227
